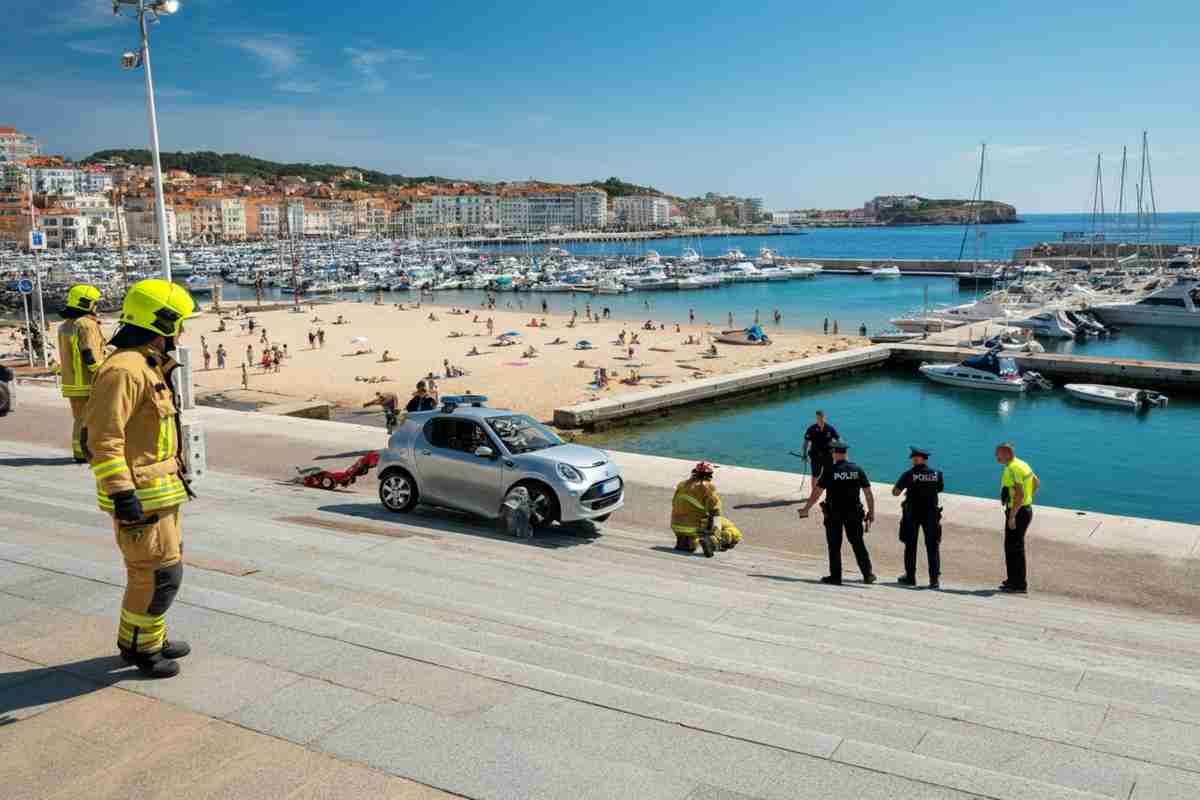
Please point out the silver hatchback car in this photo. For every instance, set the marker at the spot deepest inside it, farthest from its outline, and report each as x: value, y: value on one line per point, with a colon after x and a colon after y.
x: 467, y: 457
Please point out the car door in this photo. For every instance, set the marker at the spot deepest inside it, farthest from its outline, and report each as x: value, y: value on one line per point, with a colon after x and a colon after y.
x: 451, y: 474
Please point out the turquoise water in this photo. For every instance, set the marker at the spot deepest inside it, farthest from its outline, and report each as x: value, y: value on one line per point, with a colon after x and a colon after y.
x: 1088, y: 456
x: 934, y: 241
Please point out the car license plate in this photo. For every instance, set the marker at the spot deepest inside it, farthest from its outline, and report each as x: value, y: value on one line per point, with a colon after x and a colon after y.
x: 610, y: 486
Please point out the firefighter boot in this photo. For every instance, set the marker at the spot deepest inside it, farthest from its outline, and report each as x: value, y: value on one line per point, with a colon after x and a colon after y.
x: 155, y: 666
x: 170, y: 650
x: 686, y: 544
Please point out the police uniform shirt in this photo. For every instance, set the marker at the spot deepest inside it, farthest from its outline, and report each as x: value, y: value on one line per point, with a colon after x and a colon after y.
x: 923, y: 485
x: 842, y: 485
x: 819, y: 439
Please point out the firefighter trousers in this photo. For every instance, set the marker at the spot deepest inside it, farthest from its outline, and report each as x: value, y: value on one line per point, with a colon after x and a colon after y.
x: 78, y: 404
x: 153, y: 553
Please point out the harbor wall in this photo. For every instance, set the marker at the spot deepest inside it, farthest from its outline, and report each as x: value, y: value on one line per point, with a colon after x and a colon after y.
x: 624, y: 409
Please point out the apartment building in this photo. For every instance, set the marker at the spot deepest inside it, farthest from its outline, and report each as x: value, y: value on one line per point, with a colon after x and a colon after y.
x: 141, y: 221
x: 17, y: 146
x: 642, y: 211
x: 100, y: 217
x: 185, y: 227
x: 14, y: 216
x: 55, y: 180
x: 223, y: 218
x: 591, y: 208
x: 65, y: 228
x: 341, y: 216
x: 316, y: 221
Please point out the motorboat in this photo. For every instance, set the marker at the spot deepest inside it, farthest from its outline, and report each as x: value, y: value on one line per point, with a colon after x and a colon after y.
x: 765, y: 256
x: 199, y: 284
x: 689, y: 256
x: 1013, y: 344
x: 775, y: 273
x: 609, y: 286
x: 1038, y: 270
x: 1176, y: 306
x: 1050, y: 324
x: 1137, y: 399
x: 733, y: 254
x: 1086, y: 324
x: 699, y: 282
x: 991, y: 371
x: 652, y: 257
x: 885, y: 272
x: 744, y: 272
x: 804, y: 270
x: 557, y: 252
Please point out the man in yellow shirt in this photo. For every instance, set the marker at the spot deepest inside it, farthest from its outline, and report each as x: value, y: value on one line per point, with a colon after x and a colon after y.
x: 1018, y: 484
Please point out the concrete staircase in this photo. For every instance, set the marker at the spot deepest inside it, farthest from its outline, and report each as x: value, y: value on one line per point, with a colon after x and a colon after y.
x: 583, y: 665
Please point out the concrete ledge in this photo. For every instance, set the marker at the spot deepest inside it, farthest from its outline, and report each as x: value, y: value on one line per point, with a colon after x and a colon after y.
x: 601, y: 412
x: 309, y: 409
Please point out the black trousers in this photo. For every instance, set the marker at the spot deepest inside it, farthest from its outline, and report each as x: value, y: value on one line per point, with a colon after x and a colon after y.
x: 929, y: 522
x: 852, y: 524
x: 1014, y: 547
x: 821, y: 463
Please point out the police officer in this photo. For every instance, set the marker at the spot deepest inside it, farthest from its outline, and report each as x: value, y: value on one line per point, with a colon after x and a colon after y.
x: 131, y: 437
x: 921, y: 511
x: 844, y: 511
x: 817, y: 441
x: 80, y: 349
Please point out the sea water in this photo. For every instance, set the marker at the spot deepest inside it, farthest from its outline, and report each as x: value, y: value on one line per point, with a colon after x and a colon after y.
x: 1088, y: 457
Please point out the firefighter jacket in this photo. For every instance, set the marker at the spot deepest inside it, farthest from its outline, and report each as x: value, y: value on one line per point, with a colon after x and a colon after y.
x: 694, y: 502
x: 131, y: 430
x: 81, y: 349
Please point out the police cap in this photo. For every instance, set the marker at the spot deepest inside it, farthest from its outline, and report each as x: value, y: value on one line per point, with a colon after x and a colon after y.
x: 917, y: 451
x: 839, y: 445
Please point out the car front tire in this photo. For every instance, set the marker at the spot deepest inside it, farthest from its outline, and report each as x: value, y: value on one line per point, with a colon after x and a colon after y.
x: 397, y: 491
x: 544, y: 505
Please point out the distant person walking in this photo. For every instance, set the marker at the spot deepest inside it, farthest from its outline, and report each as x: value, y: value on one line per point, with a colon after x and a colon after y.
x: 249, y: 354
x: 221, y: 356
x: 826, y: 328
x: 245, y: 377
x: 312, y: 340
x: 691, y: 316
x: 321, y: 338
x: 1018, y: 485
x: 207, y: 358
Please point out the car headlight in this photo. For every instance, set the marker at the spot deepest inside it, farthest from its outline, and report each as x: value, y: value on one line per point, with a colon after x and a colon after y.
x: 569, y: 473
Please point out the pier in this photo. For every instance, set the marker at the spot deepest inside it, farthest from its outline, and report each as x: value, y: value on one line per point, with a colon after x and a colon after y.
x: 608, y: 413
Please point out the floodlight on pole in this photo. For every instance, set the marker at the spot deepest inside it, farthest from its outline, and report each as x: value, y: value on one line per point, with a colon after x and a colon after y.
x: 155, y: 8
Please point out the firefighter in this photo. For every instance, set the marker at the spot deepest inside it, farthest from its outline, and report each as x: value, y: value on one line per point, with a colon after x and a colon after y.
x: 131, y: 437
x: 696, y: 515
x: 80, y: 349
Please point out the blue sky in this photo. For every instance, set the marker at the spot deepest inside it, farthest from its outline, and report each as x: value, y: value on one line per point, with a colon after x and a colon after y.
x: 804, y: 107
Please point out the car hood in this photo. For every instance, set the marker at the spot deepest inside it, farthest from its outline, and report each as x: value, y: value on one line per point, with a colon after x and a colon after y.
x: 577, y: 455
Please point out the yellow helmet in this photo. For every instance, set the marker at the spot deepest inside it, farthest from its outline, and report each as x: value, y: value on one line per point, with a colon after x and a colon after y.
x: 83, y: 297
x: 158, y: 306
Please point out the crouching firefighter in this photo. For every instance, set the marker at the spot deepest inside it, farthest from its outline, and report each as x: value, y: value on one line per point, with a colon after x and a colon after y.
x: 131, y: 438
x: 80, y: 350
x: 696, y: 515
x: 921, y: 486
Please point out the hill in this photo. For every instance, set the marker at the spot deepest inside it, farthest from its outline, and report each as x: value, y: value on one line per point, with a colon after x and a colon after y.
x: 207, y: 163
x: 949, y: 212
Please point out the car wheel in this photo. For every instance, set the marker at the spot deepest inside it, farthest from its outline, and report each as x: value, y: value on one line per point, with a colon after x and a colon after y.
x: 397, y: 491
x: 602, y: 518
x: 543, y: 505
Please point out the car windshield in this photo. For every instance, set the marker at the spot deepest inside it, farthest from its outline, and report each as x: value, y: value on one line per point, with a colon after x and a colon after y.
x: 522, y: 434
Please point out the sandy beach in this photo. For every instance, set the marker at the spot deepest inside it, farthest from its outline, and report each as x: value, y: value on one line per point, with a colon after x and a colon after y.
x: 417, y: 345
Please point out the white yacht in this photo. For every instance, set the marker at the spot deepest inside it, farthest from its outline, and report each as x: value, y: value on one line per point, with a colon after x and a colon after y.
x: 885, y: 272
x: 733, y: 254
x: 765, y: 256
x: 804, y: 270
x: 1137, y: 399
x: 700, y: 282
x: 689, y: 256
x: 1176, y: 306
x: 609, y: 286
x: 1051, y: 324
x: 1038, y: 270
x: 987, y: 371
x: 775, y: 273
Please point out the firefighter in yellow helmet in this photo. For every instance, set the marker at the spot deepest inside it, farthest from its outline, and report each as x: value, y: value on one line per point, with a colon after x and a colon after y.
x: 80, y: 349
x: 131, y: 437
x: 696, y: 515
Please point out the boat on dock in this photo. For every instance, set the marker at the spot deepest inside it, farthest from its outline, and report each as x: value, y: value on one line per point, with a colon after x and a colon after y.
x: 1137, y: 399
x: 991, y: 371
x: 1050, y: 324
x: 886, y: 272
x: 1175, y: 306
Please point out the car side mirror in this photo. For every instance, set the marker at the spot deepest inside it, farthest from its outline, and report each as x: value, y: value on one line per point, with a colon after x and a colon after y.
x: 484, y: 452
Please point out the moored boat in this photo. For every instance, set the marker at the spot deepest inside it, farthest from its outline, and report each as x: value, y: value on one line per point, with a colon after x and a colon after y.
x: 1137, y: 399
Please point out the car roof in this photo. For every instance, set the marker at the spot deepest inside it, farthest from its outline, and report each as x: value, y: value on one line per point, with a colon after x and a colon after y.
x: 465, y: 412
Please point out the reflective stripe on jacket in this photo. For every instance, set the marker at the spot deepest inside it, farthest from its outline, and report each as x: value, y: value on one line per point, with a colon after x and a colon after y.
x: 81, y: 350
x: 131, y: 433
x: 694, y: 502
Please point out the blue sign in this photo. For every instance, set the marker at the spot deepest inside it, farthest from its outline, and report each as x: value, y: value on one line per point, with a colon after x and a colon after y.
x: 25, y: 286
x: 37, y: 240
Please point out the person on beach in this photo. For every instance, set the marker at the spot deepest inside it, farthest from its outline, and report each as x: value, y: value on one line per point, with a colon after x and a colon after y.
x: 825, y: 328
x: 221, y: 354
x: 245, y: 376
x: 207, y: 359
x: 1018, y: 484
x: 730, y: 319
x: 387, y: 356
x: 778, y: 317
x: 312, y: 340
x: 321, y: 338
x: 389, y: 402
x: 696, y: 515
x: 691, y: 316
x: 421, y: 400
x: 263, y: 338
x: 249, y: 354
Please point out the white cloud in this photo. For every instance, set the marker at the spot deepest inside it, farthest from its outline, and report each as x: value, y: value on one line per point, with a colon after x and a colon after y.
x: 280, y: 53
x: 368, y: 61
x: 299, y: 86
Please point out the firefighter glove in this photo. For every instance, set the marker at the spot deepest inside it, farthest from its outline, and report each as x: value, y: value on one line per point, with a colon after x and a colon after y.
x: 127, y: 507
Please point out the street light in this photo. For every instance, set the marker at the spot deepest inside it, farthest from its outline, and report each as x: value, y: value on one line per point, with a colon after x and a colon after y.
x: 156, y: 9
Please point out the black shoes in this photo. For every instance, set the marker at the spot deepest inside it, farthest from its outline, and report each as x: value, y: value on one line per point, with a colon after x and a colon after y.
x: 869, y: 578
x: 161, y: 664
x: 1009, y: 589
x: 709, y: 545
x: 934, y: 584
x: 832, y: 581
x: 905, y: 580
x: 729, y: 546
x: 685, y: 544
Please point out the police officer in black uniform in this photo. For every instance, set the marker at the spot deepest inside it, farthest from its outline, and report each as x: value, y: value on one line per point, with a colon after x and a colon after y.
x: 817, y: 440
x: 921, y: 511
x: 844, y: 511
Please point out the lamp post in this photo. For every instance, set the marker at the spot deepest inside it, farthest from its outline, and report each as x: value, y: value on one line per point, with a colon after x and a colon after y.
x: 156, y: 8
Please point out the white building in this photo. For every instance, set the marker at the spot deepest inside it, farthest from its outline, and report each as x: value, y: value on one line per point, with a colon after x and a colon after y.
x: 65, y: 228
x: 591, y: 208
x: 55, y: 180
x: 316, y: 221
x: 16, y: 146
x: 141, y: 222
x: 92, y: 181
x: 223, y: 218
x: 642, y: 211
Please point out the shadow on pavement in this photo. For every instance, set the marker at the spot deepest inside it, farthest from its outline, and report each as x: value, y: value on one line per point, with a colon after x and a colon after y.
x: 36, y: 462
x: 850, y: 584
x: 351, y: 454
x: 449, y: 521
x: 666, y: 548
x: 970, y: 592
x: 769, y: 504
x: 46, y: 685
